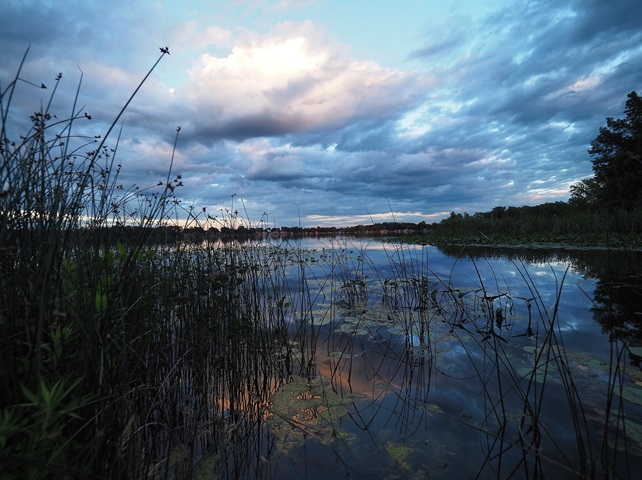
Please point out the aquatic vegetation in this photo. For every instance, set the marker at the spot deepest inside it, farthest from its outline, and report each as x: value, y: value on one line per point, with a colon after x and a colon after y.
x: 143, y: 358
x: 303, y: 409
x: 400, y: 454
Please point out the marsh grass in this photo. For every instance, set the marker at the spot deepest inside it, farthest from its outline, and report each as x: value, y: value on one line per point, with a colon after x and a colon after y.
x: 72, y: 309
x: 522, y: 406
x: 130, y: 359
x: 544, y: 414
x: 149, y: 359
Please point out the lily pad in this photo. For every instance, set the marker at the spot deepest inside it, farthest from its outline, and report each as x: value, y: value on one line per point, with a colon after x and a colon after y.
x: 352, y: 329
x: 540, y: 374
x: 634, y: 430
x: 431, y: 408
x: 632, y: 394
x: 400, y: 454
x: 322, y: 319
x: 396, y: 330
x: 598, y: 365
x: 305, y: 408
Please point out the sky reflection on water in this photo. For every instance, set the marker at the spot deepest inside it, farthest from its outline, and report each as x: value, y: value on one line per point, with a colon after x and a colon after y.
x: 431, y: 393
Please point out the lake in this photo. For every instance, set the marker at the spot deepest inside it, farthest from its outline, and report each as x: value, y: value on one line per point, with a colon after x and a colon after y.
x: 422, y: 362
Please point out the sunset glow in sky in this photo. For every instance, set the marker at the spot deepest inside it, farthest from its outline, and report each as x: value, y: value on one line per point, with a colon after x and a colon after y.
x: 335, y: 112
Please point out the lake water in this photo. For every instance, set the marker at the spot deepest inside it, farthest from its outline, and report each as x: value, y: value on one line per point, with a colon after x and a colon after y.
x: 458, y: 363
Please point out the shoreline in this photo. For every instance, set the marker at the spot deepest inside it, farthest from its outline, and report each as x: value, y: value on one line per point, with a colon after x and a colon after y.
x: 521, y: 245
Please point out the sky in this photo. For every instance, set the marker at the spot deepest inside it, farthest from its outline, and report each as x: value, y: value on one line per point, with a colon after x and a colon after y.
x: 337, y: 112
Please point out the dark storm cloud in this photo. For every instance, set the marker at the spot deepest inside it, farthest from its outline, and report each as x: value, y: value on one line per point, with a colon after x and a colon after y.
x: 240, y: 129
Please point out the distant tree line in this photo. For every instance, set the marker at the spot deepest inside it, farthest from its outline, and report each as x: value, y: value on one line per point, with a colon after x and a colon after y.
x: 168, y: 234
x: 549, y: 222
x: 604, y: 208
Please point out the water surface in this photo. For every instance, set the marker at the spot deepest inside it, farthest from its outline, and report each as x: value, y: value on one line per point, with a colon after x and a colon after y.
x: 459, y: 363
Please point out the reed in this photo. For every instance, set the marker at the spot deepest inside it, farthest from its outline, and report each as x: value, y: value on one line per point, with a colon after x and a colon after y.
x: 146, y: 358
x: 521, y: 412
x: 122, y: 359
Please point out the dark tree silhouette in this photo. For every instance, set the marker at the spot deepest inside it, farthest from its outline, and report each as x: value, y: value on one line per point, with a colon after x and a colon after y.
x: 617, y: 162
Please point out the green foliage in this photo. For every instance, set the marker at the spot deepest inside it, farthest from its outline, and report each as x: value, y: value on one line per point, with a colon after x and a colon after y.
x: 586, y: 193
x: 617, y: 163
x: 557, y: 222
x: 62, y: 301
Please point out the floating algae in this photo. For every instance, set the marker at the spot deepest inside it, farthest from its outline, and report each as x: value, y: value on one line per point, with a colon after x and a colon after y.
x: 400, y: 454
x: 432, y: 408
x: 304, y: 409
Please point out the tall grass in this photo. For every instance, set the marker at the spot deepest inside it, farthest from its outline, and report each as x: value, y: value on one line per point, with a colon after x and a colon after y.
x: 70, y: 308
x: 151, y: 359
x: 122, y: 360
x: 522, y: 405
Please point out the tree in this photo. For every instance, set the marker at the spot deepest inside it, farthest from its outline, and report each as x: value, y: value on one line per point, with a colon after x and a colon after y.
x: 617, y: 162
x: 586, y: 193
x: 497, y: 213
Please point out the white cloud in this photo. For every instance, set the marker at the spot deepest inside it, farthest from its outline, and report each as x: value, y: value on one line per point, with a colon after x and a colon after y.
x: 296, y: 78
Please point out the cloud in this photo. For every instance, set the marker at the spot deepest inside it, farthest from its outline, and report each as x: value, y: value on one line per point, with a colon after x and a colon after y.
x: 292, y: 81
x: 479, y: 111
x: 530, y: 95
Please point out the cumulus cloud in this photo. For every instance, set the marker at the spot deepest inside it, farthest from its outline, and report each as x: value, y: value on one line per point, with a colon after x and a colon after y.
x: 290, y: 82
